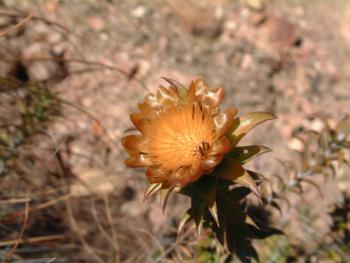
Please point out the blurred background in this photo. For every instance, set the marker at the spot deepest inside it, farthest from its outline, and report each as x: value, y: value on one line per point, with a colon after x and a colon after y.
x: 72, y: 71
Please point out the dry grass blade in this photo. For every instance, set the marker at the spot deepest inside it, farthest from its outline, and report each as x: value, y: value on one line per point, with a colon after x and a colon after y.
x: 127, y: 74
x: 31, y: 240
x: 14, y: 201
x: 102, y: 229
x: 21, y: 232
x: 18, y: 25
x: 154, y: 239
x: 90, y: 115
x: 111, y: 225
x: 19, y: 13
x: 76, y: 229
x: 10, y: 217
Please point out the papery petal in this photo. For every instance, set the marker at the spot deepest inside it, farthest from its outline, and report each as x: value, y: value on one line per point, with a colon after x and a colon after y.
x: 175, y: 85
x: 147, y: 110
x: 214, y: 97
x: 139, y: 121
x: 211, y: 161
x: 223, y: 121
x: 220, y: 146
x: 179, y: 93
x: 138, y: 160
x: 191, y: 93
x: 135, y: 144
x: 152, y: 100
x: 184, y: 176
x: 201, y: 87
x: 155, y: 175
x: 167, y: 93
x: 165, y: 102
x: 168, y: 97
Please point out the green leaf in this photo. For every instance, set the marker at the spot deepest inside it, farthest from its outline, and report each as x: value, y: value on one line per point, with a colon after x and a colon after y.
x: 206, y: 257
x: 247, y: 181
x: 243, y: 124
x: 198, y: 207
x: 264, y: 232
x: 244, y: 154
x: 206, y: 188
x: 229, y: 210
x: 258, y: 177
x: 246, y: 252
x: 232, y: 170
x: 188, y: 190
x: 238, y: 193
x: 229, y: 169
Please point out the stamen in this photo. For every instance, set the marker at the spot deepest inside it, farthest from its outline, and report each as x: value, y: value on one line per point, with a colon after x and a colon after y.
x: 193, y: 112
x: 181, y: 136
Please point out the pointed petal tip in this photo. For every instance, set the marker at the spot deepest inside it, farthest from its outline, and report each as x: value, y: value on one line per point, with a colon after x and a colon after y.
x: 151, y: 190
x: 213, y: 211
x: 173, y: 82
x: 274, y: 117
x: 246, y: 122
x: 265, y: 115
x: 265, y: 149
x: 166, y: 197
x: 138, y: 160
x: 131, y: 129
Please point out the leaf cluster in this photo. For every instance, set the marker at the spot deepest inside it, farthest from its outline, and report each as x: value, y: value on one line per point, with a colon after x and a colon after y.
x: 26, y: 109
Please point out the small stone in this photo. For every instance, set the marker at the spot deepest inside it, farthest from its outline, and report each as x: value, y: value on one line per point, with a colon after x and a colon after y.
x: 296, y: 144
x: 257, y: 17
x: 255, y: 4
x: 199, y: 20
x: 345, y: 24
x: 139, y: 12
x: 282, y: 33
x: 91, y: 181
x: 96, y: 23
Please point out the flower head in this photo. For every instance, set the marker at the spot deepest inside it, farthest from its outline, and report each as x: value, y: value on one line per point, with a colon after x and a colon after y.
x: 182, y: 137
x: 182, y: 133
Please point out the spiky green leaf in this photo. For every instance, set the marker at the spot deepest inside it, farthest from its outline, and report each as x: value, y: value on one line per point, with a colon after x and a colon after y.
x: 243, y: 124
x: 244, y: 154
x: 232, y: 170
x: 198, y: 207
x: 206, y: 188
x: 247, y: 181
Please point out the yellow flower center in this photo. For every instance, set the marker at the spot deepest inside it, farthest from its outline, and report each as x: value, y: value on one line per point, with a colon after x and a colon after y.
x: 180, y: 137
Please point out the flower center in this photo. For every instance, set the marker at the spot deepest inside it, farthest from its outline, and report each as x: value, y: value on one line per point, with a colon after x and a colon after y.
x: 181, y: 137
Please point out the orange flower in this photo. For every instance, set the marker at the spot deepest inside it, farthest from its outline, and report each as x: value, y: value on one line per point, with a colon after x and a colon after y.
x: 183, y: 133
